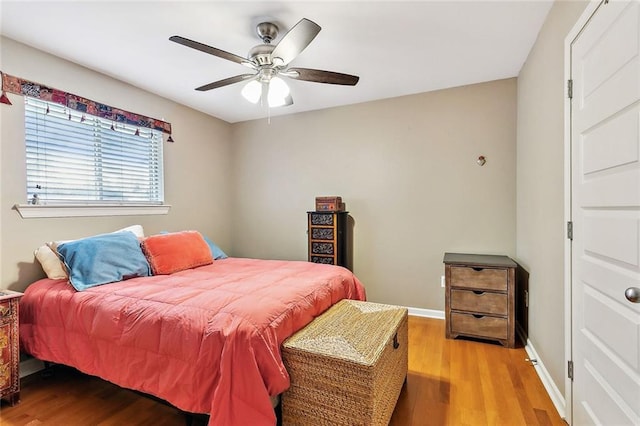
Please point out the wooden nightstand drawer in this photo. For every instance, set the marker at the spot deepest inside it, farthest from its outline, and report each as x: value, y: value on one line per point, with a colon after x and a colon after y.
x: 480, y: 278
x: 479, y: 325
x: 328, y: 260
x: 322, y: 234
x: 479, y: 301
x: 322, y: 219
x: 322, y: 248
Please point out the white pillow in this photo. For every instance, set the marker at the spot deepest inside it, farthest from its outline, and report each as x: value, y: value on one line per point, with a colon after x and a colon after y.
x: 137, y: 230
x: 52, y: 265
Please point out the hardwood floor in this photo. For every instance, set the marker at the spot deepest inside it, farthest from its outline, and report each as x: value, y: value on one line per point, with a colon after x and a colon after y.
x: 67, y: 397
x: 464, y: 382
x: 450, y: 382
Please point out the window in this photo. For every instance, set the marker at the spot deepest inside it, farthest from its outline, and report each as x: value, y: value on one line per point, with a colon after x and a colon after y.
x: 76, y: 158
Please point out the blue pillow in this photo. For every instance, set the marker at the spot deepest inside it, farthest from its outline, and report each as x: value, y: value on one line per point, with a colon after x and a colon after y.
x: 103, y: 259
x: 216, y: 251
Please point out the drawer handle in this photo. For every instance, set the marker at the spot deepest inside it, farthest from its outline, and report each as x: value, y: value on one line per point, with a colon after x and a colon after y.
x: 478, y: 292
x: 478, y: 269
x: 477, y: 316
x: 396, y: 344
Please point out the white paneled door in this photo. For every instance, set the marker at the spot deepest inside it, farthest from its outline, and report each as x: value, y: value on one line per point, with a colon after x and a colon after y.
x: 605, y: 209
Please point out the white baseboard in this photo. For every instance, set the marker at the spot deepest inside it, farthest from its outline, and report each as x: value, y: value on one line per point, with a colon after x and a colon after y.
x: 554, y: 393
x: 427, y: 313
x: 30, y: 366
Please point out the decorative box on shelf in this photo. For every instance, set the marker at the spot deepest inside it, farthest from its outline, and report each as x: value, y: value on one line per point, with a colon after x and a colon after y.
x: 329, y: 204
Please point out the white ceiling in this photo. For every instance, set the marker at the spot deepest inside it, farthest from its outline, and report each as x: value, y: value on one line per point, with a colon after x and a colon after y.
x: 397, y: 48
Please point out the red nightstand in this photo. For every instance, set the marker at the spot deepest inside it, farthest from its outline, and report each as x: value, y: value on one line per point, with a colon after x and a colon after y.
x: 9, y: 346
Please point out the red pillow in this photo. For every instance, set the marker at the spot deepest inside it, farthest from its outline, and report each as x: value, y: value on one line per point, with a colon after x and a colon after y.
x: 176, y: 251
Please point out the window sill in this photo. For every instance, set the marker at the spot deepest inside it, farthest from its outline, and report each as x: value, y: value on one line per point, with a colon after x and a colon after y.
x: 28, y: 211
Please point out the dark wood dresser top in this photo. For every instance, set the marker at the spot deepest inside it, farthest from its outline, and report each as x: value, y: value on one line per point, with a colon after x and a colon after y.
x: 479, y: 260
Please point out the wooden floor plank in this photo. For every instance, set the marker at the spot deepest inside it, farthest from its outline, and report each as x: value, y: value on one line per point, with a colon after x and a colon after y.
x: 465, y: 382
x: 450, y: 382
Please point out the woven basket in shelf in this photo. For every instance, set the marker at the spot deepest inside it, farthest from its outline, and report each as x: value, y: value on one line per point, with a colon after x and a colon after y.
x: 347, y: 367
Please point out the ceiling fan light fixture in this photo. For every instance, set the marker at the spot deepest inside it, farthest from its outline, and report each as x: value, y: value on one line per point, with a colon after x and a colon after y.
x: 278, y: 88
x: 252, y: 91
x: 276, y: 102
x: 278, y: 92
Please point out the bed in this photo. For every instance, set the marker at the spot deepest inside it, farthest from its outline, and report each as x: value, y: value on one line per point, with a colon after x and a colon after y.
x: 205, y: 339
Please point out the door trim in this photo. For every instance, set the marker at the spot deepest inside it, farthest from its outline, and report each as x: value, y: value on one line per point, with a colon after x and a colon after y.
x: 568, y: 317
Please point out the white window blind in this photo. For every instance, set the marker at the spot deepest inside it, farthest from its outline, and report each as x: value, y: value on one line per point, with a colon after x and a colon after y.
x: 76, y: 158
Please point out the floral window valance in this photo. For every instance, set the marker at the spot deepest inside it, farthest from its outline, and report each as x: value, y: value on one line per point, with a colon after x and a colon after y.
x: 24, y: 87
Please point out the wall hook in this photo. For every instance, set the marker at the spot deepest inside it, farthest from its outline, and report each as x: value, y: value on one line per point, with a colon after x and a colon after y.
x: 481, y: 160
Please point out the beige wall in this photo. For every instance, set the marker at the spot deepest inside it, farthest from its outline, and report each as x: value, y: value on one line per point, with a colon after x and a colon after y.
x: 540, y: 188
x: 197, y: 169
x: 406, y: 168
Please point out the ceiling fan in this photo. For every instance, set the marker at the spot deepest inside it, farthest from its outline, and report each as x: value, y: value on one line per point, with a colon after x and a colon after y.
x: 269, y: 62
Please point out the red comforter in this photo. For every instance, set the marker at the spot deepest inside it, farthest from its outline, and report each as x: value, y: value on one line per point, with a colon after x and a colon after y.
x: 207, y: 340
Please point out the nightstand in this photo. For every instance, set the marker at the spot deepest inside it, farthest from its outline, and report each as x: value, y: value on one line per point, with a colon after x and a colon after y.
x: 9, y: 346
x: 480, y: 297
x: 327, y: 235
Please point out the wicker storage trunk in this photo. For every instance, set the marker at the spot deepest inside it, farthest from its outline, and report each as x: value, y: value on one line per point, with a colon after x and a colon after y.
x: 347, y: 366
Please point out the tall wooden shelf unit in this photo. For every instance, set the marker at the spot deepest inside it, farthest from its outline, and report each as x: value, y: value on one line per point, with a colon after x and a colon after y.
x: 327, y: 236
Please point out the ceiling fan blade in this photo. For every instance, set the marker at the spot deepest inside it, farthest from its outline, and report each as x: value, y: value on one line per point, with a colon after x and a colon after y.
x: 320, y: 76
x: 211, y: 50
x: 225, y: 82
x: 295, y: 41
